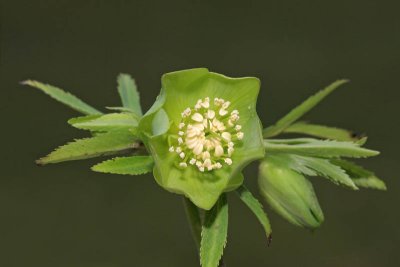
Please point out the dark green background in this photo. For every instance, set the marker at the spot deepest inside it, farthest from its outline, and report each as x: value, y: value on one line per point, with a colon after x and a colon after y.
x: 64, y: 215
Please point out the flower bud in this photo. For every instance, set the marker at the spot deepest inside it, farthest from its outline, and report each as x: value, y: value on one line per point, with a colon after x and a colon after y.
x: 290, y: 194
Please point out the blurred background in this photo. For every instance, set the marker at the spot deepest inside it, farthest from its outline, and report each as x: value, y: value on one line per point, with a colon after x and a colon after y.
x: 65, y: 215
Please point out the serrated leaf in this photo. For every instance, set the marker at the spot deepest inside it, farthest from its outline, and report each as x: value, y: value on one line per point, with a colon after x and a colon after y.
x: 82, y: 119
x: 314, y: 167
x: 361, y: 177
x: 129, y: 94
x: 124, y: 109
x: 214, y: 233
x: 134, y: 165
x: 300, y: 110
x: 317, y: 148
x: 325, y: 132
x: 63, y: 97
x: 255, y: 206
x: 107, y: 122
x: 102, y: 144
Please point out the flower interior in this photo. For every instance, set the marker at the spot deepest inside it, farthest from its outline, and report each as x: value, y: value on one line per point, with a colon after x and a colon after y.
x: 207, y: 135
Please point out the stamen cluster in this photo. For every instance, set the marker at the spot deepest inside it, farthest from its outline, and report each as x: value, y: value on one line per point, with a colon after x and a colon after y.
x: 207, y: 135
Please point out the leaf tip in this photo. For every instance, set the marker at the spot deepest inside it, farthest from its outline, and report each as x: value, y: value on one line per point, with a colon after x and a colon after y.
x: 26, y: 82
x: 374, y: 152
x: 342, y: 81
x: 355, y: 188
x: 40, y: 162
x: 269, y: 239
x: 96, y: 168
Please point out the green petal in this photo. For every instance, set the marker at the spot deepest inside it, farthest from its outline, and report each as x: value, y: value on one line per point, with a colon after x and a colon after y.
x: 184, y: 88
x: 202, y: 188
x: 146, y: 123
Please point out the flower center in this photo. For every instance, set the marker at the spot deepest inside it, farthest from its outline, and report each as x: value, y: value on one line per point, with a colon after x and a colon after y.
x: 207, y: 135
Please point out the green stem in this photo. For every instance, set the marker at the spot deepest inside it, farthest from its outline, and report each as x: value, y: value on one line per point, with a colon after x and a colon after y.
x: 195, y: 222
x: 194, y: 219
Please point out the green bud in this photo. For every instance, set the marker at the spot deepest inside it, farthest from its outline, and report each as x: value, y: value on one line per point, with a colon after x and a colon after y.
x: 290, y: 194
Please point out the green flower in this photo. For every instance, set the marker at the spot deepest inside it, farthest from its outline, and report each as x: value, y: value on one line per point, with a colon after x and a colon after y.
x: 202, y: 131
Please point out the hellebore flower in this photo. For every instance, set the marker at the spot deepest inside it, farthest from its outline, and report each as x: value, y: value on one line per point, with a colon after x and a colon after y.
x: 202, y: 131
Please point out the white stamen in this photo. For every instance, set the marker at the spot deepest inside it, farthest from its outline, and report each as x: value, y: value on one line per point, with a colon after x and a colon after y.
x: 206, y: 155
x: 218, y: 101
x: 183, y: 164
x: 219, y: 151
x: 234, y: 117
x: 197, y: 117
x: 228, y: 161
x: 198, y: 149
x: 207, y: 163
x: 192, y: 143
x: 206, y: 103
x: 210, y: 114
x: 186, y: 112
x: 223, y: 112
x: 226, y: 105
x: 208, y: 138
x: 226, y: 136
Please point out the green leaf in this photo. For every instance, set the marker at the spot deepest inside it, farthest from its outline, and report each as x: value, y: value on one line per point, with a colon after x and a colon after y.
x: 214, y: 233
x: 255, y: 206
x: 134, y: 165
x: 107, y: 122
x: 324, y: 132
x: 301, y: 109
x: 121, y: 109
x: 129, y: 94
x: 63, y: 97
x: 290, y: 194
x: 82, y: 119
x: 317, y: 148
x: 314, y: 167
x: 361, y: 177
x: 102, y: 144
